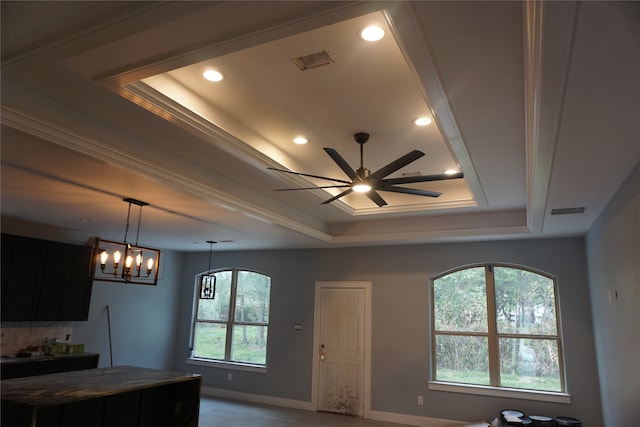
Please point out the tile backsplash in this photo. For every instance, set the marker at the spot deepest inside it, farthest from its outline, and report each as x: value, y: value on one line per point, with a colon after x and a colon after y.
x: 15, y: 337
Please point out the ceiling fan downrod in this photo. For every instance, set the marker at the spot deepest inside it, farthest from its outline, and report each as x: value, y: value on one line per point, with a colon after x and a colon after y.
x: 361, y: 138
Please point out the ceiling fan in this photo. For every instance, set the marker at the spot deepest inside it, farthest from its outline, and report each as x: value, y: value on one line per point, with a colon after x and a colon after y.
x: 363, y: 181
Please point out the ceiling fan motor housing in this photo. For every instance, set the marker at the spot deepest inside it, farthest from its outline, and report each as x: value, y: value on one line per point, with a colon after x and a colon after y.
x: 363, y: 173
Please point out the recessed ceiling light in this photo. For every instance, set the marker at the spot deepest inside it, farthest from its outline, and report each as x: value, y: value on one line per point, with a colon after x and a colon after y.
x: 372, y: 33
x: 300, y: 140
x: 422, y: 121
x: 450, y: 172
x: 213, y: 75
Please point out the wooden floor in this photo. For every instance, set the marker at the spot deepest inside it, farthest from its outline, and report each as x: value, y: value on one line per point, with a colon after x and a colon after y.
x: 216, y: 412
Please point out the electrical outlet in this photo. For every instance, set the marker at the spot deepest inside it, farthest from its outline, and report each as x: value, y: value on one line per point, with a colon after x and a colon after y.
x: 420, y: 400
x: 229, y: 376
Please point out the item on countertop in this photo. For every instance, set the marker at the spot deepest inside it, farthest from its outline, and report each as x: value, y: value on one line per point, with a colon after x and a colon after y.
x: 567, y: 421
x: 509, y: 417
x: 541, y: 421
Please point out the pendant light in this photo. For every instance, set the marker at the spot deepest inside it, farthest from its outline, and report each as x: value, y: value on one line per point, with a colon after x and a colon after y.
x: 208, y: 280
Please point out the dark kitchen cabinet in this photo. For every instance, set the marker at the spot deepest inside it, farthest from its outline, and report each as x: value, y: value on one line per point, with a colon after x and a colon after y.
x: 45, y: 280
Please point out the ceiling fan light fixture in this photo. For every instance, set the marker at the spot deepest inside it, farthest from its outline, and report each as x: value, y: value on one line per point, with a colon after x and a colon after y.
x: 361, y: 187
x: 372, y: 33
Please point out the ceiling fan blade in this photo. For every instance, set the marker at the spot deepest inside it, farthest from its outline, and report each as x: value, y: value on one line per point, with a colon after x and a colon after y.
x: 310, y: 175
x: 412, y: 191
x: 344, y: 193
x: 313, y: 188
x: 396, y: 164
x: 421, y: 178
x: 376, y: 198
x: 340, y: 161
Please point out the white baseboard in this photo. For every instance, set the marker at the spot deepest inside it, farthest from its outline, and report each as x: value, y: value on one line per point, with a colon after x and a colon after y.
x: 256, y: 398
x: 414, y: 420
x: 390, y: 417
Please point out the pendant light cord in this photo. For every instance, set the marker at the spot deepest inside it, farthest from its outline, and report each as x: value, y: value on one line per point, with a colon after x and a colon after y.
x: 210, y: 242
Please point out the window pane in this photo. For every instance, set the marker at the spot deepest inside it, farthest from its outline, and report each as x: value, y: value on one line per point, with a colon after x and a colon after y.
x: 460, y: 301
x: 217, y: 308
x: 462, y: 359
x: 249, y: 344
x: 252, y: 297
x: 525, y: 302
x: 209, y: 340
x: 529, y: 363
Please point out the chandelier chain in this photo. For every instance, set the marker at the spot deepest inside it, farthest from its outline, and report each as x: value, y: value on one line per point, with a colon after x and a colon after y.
x: 126, y: 228
x: 139, y: 221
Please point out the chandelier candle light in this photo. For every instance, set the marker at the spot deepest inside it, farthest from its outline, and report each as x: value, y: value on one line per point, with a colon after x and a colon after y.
x: 124, y: 262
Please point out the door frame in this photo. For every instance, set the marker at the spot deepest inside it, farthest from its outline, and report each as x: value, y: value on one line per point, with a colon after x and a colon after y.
x: 366, y: 383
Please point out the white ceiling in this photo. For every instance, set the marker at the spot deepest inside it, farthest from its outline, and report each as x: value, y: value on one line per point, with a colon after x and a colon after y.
x: 536, y: 103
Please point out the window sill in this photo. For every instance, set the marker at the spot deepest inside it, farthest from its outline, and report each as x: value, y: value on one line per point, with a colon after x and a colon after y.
x: 227, y: 365
x: 542, y: 396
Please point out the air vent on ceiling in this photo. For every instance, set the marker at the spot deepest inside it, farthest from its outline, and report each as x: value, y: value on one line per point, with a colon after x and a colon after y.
x: 567, y: 211
x: 313, y: 60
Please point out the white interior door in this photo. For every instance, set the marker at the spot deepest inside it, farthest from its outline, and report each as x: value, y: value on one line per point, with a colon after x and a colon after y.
x: 341, y: 348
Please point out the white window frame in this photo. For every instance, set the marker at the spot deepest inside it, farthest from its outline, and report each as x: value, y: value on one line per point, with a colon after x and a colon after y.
x: 230, y: 323
x: 493, y: 336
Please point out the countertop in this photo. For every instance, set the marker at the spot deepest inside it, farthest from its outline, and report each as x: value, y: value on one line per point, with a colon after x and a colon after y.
x: 65, y: 387
x: 11, y: 360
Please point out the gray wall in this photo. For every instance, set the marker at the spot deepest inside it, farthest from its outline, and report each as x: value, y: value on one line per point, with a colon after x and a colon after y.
x: 143, y: 320
x: 400, y: 337
x: 613, y: 250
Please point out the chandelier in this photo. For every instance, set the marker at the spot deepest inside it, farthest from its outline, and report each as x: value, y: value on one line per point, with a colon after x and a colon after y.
x: 124, y: 262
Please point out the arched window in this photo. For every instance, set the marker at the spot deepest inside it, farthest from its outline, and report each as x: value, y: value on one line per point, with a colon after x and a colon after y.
x: 497, y: 326
x: 232, y: 327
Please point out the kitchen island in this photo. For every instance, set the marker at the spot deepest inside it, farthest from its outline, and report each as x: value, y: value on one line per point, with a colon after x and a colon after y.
x: 121, y: 396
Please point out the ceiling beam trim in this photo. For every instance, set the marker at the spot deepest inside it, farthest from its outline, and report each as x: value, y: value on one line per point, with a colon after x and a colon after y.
x: 412, y: 41
x: 36, y: 127
x: 546, y: 78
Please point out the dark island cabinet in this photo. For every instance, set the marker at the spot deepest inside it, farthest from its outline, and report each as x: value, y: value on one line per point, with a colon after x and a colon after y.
x: 45, y: 280
x: 121, y: 396
x: 29, y: 367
